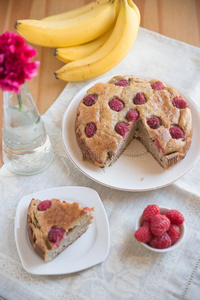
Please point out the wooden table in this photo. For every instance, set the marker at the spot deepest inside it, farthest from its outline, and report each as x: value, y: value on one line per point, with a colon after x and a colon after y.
x: 178, y: 19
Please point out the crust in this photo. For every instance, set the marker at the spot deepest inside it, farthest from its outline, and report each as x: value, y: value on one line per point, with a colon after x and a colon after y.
x: 104, y: 145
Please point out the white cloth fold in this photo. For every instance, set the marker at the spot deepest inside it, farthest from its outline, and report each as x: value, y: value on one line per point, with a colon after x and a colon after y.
x: 130, y: 270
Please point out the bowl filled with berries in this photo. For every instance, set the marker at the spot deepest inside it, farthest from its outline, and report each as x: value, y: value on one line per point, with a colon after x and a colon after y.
x: 160, y: 229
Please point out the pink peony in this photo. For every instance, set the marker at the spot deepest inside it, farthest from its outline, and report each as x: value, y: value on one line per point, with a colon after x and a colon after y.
x: 15, y: 66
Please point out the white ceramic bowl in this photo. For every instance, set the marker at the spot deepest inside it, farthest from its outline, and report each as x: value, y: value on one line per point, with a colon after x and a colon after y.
x: 164, y: 210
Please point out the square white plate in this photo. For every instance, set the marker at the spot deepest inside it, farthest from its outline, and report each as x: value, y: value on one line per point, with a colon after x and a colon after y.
x: 89, y: 250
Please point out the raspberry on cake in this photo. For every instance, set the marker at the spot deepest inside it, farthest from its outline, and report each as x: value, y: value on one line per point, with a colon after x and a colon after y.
x: 116, y: 105
x: 139, y: 99
x: 158, y: 85
x: 179, y: 102
x: 90, y: 129
x: 122, y: 128
x: 56, y: 235
x: 154, y: 122
x: 132, y: 115
x: 90, y: 100
x: 159, y: 146
x: 111, y: 114
x: 54, y: 225
x: 176, y: 132
x: 44, y: 205
x: 122, y: 82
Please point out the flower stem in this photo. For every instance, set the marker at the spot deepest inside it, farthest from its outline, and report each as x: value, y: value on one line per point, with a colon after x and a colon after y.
x: 19, y: 98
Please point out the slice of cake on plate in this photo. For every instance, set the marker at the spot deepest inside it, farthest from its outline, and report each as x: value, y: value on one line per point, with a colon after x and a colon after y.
x: 54, y: 225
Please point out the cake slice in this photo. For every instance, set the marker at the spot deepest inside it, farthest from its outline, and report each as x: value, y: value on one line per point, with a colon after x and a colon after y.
x: 54, y: 225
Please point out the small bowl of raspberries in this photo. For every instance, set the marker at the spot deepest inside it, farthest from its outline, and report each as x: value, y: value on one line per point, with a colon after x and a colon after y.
x: 160, y: 229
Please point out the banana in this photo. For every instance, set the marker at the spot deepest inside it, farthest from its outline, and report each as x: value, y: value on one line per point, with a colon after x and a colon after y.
x: 110, y: 54
x: 77, y: 52
x: 134, y: 6
x: 72, y: 32
x: 75, y: 12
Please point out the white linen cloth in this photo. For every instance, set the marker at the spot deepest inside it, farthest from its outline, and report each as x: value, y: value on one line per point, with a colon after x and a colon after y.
x: 130, y: 270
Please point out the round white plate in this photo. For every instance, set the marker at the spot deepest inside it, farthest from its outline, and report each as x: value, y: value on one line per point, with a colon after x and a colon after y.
x: 89, y: 250
x: 136, y: 169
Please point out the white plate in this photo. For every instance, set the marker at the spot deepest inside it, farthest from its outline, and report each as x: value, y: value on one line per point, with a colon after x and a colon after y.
x: 136, y: 169
x: 89, y: 250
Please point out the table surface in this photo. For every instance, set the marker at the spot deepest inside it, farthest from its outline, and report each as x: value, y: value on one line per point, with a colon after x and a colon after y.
x: 178, y: 19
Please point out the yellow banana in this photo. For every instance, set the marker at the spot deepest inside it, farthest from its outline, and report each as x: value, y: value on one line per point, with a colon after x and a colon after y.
x: 75, y: 12
x: 77, y: 52
x: 110, y: 54
x: 134, y: 6
x: 72, y: 32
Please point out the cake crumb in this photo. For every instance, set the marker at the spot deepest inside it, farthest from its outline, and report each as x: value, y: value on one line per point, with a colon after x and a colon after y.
x: 142, y: 178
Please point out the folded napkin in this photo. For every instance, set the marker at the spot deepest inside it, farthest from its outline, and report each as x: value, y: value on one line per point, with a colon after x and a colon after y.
x: 130, y: 270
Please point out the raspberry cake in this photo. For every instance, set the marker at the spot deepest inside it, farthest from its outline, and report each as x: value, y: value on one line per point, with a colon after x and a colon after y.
x: 111, y: 114
x: 54, y: 225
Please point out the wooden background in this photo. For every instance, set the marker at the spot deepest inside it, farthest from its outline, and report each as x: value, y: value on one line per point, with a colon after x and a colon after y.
x: 178, y: 19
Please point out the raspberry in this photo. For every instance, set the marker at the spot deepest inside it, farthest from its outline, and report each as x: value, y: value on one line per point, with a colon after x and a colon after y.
x: 116, y: 105
x: 139, y: 99
x: 157, y: 85
x: 143, y: 234
x: 90, y: 100
x: 44, y: 205
x: 174, y: 233
x: 159, y: 224
x: 150, y: 211
x: 90, y: 129
x: 56, y: 234
x: 132, y: 115
x: 159, y: 146
x: 161, y: 242
x: 175, y: 217
x: 88, y: 208
x: 154, y: 122
x: 179, y: 102
x: 122, y: 82
x: 122, y: 129
x: 146, y: 223
x: 176, y: 132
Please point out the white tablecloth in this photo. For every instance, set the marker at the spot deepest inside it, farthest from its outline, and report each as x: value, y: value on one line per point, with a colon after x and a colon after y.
x: 130, y: 270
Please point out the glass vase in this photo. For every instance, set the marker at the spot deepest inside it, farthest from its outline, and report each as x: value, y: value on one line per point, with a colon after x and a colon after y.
x: 26, y: 147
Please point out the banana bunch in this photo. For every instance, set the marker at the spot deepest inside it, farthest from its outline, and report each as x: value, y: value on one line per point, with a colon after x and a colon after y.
x: 90, y: 40
x: 70, y: 31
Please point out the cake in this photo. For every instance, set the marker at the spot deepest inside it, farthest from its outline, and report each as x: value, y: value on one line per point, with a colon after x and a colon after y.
x: 54, y: 225
x: 111, y: 114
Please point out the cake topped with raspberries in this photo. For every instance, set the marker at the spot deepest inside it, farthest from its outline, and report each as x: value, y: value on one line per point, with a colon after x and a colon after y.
x: 111, y: 114
x: 54, y: 225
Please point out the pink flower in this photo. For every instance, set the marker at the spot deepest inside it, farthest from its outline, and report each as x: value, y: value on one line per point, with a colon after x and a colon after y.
x: 15, y: 66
